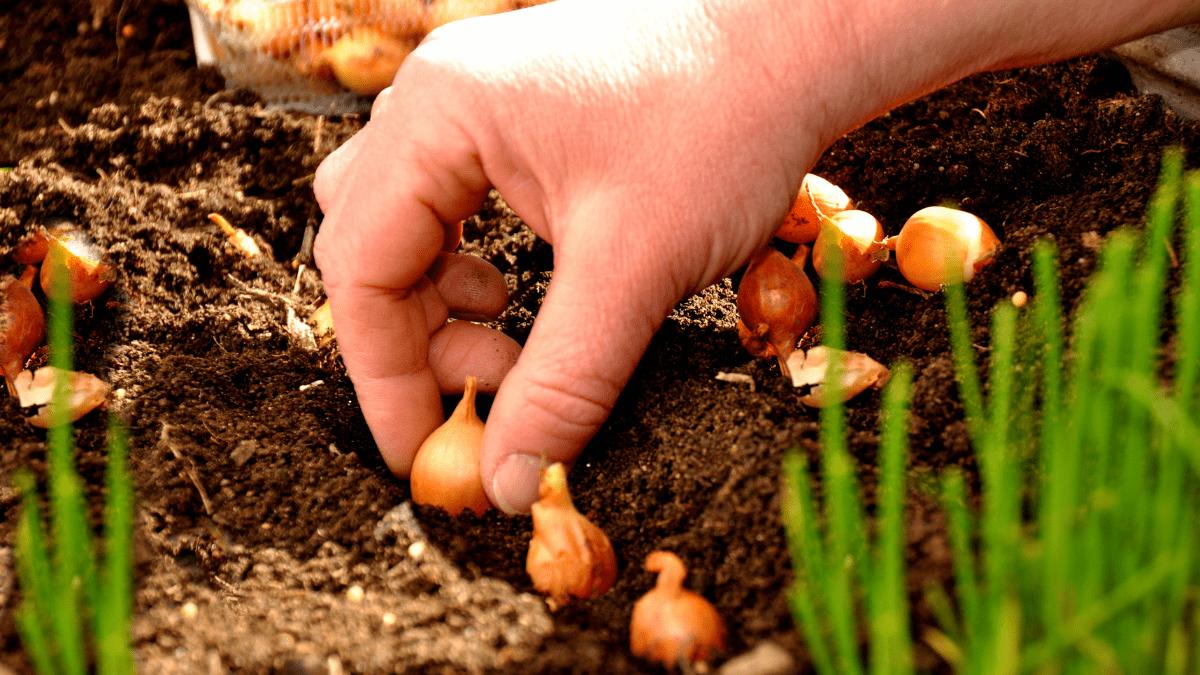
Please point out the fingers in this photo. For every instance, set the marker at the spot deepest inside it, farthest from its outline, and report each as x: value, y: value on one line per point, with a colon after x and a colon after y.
x: 597, y: 320
x: 387, y: 200
x: 472, y: 287
x: 463, y: 348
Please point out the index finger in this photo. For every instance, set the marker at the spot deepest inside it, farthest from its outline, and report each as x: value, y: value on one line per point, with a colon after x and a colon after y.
x: 413, y: 172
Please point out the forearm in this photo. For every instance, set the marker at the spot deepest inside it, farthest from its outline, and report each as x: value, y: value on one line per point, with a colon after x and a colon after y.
x: 855, y: 59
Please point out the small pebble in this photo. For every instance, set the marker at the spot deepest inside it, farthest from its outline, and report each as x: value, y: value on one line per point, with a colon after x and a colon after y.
x: 416, y: 549
x: 1020, y: 298
x: 189, y: 610
x: 354, y: 593
x: 389, y: 619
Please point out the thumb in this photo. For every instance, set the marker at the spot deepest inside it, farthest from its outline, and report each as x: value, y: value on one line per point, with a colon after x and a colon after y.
x: 601, y: 310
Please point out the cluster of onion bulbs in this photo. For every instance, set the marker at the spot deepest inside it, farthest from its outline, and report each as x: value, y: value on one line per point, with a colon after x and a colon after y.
x: 569, y: 556
x: 777, y: 301
x: 359, y: 44
x: 62, y: 248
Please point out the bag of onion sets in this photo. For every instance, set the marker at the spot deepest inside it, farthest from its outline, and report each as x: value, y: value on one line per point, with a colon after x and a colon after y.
x: 320, y: 56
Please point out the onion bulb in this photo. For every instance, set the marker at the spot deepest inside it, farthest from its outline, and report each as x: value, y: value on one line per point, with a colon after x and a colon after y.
x: 363, y: 61
x: 445, y: 471
x: 777, y: 303
x: 939, y: 246
x: 818, y: 199
x: 857, y: 236
x: 671, y: 624
x: 568, y: 555
x: 87, y: 273
x: 22, y: 327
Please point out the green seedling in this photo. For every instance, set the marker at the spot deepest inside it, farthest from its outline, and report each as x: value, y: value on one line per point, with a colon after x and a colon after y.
x: 1080, y: 556
x: 68, y: 590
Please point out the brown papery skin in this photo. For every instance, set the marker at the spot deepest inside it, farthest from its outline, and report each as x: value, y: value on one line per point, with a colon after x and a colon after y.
x: 671, y: 623
x: 818, y: 199
x: 568, y: 555
x: 777, y: 303
x: 89, y: 277
x: 22, y: 326
x: 445, y: 471
x: 858, y: 236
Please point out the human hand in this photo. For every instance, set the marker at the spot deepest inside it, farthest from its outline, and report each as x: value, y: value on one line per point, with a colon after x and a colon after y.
x: 654, y: 145
x: 627, y: 138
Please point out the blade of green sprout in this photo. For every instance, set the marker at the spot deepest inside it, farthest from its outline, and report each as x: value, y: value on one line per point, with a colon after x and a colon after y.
x: 1059, y: 462
x: 847, y: 539
x: 1187, y: 311
x: 808, y: 556
x: 1141, y: 329
x: 114, y: 654
x: 891, y: 641
x: 1001, y: 507
x: 69, y: 513
x: 1097, y: 421
x: 966, y: 585
x: 962, y: 351
x: 34, y: 571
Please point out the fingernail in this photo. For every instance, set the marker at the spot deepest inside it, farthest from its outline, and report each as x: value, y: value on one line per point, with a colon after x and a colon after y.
x: 515, y: 483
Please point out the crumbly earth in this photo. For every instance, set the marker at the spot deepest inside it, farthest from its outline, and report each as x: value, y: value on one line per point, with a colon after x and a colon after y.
x: 270, y: 538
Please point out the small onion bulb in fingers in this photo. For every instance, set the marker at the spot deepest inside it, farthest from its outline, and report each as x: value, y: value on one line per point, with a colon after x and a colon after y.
x: 445, y: 471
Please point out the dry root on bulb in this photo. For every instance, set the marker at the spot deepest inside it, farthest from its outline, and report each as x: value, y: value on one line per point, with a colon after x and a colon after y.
x: 939, y: 246
x: 857, y: 237
x: 445, y: 471
x: 22, y: 327
x: 818, y: 199
x: 85, y: 393
x: 777, y: 303
x: 858, y: 372
x: 568, y: 555
x: 671, y: 624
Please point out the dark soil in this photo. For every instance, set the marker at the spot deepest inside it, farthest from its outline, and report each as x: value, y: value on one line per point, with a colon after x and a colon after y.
x: 262, y: 500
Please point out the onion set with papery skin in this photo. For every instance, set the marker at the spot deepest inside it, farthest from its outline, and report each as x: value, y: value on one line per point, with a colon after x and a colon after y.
x: 568, y: 556
x: 939, y: 246
x: 22, y: 327
x: 671, y: 624
x: 445, y: 471
x: 818, y: 199
x: 857, y: 237
x: 777, y: 303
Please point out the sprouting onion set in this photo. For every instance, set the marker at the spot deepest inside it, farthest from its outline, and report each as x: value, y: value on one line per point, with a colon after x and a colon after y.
x: 777, y: 301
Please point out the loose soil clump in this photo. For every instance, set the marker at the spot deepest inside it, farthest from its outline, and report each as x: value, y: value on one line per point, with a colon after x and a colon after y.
x: 270, y: 536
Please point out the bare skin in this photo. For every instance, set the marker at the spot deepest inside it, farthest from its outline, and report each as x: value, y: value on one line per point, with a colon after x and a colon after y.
x: 655, y: 145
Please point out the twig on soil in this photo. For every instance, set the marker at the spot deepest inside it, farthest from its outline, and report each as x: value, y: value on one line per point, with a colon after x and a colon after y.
x: 317, y: 135
x: 905, y: 288
x: 246, y: 288
x: 165, y: 439
x: 299, y: 276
